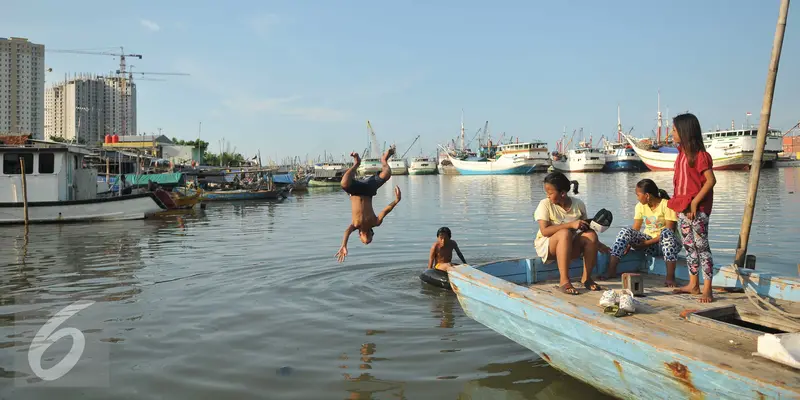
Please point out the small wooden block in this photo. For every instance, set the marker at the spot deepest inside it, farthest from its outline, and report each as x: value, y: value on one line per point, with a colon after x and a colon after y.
x: 633, y: 282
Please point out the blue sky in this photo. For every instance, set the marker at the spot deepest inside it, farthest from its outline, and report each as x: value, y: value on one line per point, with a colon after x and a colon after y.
x: 302, y: 77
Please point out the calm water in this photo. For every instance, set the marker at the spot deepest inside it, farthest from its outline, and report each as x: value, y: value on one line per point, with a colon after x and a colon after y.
x: 245, y: 300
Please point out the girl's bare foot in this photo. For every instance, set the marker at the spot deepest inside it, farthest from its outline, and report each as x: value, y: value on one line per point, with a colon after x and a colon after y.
x: 690, y: 289
x: 706, y: 297
x: 609, y: 275
x: 669, y: 283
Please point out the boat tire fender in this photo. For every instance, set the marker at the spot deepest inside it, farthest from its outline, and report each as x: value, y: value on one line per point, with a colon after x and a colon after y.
x: 436, y: 277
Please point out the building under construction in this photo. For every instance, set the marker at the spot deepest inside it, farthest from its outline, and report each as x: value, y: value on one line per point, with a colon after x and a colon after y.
x: 87, y: 107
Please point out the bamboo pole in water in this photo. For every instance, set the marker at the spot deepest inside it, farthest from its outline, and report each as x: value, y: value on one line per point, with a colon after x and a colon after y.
x: 24, y: 191
x: 766, y: 111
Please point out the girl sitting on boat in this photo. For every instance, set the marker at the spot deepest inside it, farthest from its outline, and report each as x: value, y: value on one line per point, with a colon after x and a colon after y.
x: 659, y: 230
x: 694, y: 182
x: 559, y: 217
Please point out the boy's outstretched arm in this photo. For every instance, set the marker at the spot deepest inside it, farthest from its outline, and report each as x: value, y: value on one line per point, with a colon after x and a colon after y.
x: 390, y: 207
x: 432, y: 258
x: 342, y: 253
x: 458, y: 251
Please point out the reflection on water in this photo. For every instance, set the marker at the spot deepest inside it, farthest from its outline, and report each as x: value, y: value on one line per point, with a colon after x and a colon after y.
x: 212, y: 303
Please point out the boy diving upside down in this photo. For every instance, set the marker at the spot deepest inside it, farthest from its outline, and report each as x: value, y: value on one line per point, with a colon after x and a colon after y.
x: 361, y: 192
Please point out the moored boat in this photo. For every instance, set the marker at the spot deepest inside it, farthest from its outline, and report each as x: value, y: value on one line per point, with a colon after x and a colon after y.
x: 244, y: 194
x: 503, y: 165
x: 581, y: 159
x: 671, y: 347
x: 535, y: 152
x: 398, y: 166
x: 621, y: 157
x: 60, y: 189
x: 422, y: 166
x: 729, y: 150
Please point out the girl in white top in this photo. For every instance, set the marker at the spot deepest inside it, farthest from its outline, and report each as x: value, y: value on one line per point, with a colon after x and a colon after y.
x: 559, y: 216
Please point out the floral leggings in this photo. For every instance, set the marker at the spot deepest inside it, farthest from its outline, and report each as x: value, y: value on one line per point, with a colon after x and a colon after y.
x: 695, y: 240
x: 668, y: 242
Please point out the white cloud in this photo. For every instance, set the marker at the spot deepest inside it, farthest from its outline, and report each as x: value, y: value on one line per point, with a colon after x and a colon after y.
x: 150, y: 25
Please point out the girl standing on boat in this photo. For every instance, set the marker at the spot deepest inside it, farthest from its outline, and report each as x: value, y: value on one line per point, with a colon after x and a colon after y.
x: 559, y: 217
x: 659, y: 230
x: 694, y: 194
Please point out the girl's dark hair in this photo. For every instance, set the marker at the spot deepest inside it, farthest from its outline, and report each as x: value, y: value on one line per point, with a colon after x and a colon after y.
x: 688, y: 127
x: 561, y: 182
x: 444, y: 230
x: 650, y: 187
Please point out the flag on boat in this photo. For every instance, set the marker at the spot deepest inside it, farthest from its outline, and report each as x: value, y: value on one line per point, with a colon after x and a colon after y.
x: 748, y: 114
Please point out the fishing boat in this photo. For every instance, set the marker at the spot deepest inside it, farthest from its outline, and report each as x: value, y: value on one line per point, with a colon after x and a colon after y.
x: 671, y: 347
x: 730, y: 150
x: 535, y: 152
x: 398, y: 166
x: 58, y: 188
x: 621, y: 157
x: 422, y: 166
x: 507, y: 164
x: 370, y: 161
x: 581, y: 159
x: 244, y: 194
x: 444, y: 166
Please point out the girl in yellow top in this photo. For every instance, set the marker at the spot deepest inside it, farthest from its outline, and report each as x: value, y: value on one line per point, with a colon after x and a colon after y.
x: 559, y: 216
x: 659, y: 230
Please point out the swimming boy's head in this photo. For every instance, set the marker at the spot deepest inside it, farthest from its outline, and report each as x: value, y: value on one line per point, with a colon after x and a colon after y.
x: 366, y: 236
x: 556, y: 187
x: 646, y: 190
x: 443, y: 234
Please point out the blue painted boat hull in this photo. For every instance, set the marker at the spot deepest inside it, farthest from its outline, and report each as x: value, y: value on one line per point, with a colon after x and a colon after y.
x: 625, y: 165
x: 260, y: 195
x: 614, y: 355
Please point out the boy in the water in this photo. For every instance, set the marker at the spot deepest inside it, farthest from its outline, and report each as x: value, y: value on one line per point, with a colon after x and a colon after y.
x: 361, y: 193
x: 442, y: 251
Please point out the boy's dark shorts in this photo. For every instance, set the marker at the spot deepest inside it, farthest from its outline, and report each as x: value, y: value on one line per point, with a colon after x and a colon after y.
x: 365, y: 186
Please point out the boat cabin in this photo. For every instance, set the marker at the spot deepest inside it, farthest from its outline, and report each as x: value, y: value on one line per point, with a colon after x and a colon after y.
x: 53, y: 172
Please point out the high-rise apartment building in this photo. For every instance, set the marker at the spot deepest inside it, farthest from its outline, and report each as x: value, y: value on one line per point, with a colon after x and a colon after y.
x: 21, y: 88
x: 86, y: 108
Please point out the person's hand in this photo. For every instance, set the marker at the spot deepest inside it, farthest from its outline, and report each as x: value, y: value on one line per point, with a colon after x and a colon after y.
x: 355, y: 156
x: 639, y: 246
x: 397, y: 193
x: 692, y: 211
x: 579, y: 224
x: 603, y: 248
x: 341, y: 254
x: 627, y: 249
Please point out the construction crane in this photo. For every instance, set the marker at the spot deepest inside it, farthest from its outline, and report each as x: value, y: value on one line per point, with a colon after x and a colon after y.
x: 121, y: 71
x: 131, y: 72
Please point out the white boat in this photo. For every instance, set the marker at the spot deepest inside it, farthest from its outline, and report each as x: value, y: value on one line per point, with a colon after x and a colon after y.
x: 422, y: 166
x: 535, y: 152
x: 369, y: 166
x: 398, y: 166
x: 507, y: 164
x: 60, y: 189
x: 729, y: 150
x: 582, y: 159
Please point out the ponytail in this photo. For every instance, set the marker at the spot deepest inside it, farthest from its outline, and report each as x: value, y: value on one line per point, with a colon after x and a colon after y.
x: 560, y: 182
x: 650, y: 187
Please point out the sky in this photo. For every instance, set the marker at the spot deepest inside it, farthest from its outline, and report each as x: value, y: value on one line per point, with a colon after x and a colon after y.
x: 299, y: 78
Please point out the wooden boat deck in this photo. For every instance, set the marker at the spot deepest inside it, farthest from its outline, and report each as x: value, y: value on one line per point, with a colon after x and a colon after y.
x: 674, y: 315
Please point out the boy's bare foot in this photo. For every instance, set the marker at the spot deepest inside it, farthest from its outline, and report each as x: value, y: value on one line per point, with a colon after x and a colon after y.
x: 690, y: 289
x: 356, y: 157
x: 388, y: 154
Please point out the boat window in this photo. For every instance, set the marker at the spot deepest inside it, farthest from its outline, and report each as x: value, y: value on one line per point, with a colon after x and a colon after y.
x: 11, y: 163
x: 47, y: 163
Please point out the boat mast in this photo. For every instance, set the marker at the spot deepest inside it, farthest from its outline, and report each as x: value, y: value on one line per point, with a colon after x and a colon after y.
x: 658, y: 135
x: 761, y: 141
x: 462, y: 130
x: 619, y: 127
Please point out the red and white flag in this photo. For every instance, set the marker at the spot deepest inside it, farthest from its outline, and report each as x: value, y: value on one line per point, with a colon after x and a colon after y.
x: 748, y: 114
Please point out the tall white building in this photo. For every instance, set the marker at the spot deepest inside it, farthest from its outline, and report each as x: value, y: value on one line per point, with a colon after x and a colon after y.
x: 21, y: 88
x: 86, y: 108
